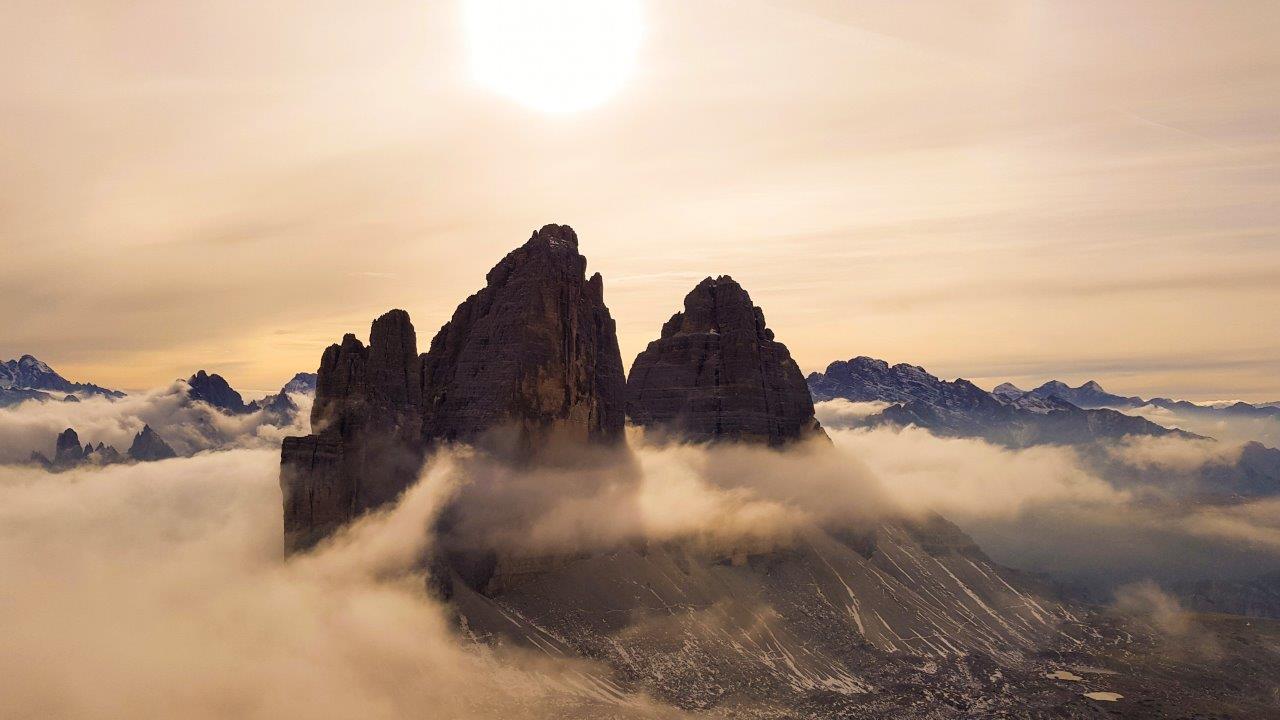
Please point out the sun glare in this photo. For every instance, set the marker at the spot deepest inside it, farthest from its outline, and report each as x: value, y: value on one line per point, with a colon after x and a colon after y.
x: 553, y: 55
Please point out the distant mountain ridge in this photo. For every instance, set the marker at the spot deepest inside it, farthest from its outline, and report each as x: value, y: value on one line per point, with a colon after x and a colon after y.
x: 1015, y: 418
x: 29, y: 378
x: 1239, y: 409
x: 1091, y: 395
x: 961, y: 408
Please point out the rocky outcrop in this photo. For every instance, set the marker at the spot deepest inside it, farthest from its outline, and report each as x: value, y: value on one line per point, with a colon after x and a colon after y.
x: 530, y: 359
x: 68, y: 453
x: 216, y: 391
x: 106, y: 454
x: 149, y: 446
x: 279, y: 406
x: 366, y: 442
x: 717, y: 373
x: 279, y: 409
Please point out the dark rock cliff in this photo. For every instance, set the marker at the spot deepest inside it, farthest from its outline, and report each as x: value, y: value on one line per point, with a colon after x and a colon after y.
x: 149, y: 446
x: 717, y: 373
x: 215, y: 390
x: 531, y: 357
x: 535, y: 352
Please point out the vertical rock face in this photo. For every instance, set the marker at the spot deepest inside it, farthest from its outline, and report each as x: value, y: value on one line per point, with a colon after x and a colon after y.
x: 366, y: 422
x: 535, y: 352
x: 531, y: 357
x: 717, y: 373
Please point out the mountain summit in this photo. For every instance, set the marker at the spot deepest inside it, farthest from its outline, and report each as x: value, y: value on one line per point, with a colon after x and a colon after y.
x: 530, y: 359
x: 1089, y: 395
x: 29, y: 378
x: 215, y: 390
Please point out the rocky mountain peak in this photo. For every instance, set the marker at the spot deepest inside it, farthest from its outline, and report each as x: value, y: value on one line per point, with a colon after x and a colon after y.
x: 864, y: 379
x: 67, y: 450
x: 1053, y: 387
x: 532, y: 356
x: 716, y: 305
x: 302, y: 383
x: 1089, y: 395
x: 69, y: 453
x: 27, y: 375
x: 556, y: 235
x: 534, y: 352
x: 216, y: 391
x: 1008, y: 391
x: 148, y: 446
x: 31, y: 364
x: 717, y: 373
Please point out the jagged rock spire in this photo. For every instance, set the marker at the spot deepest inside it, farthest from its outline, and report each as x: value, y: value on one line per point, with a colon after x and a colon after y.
x: 148, y: 446
x: 533, y: 356
x: 535, y: 352
x: 67, y: 450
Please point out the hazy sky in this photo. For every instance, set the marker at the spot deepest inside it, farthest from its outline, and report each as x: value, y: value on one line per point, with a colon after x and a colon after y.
x: 996, y: 190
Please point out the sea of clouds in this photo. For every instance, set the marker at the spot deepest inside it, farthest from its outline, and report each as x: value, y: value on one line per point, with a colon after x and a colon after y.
x: 160, y: 589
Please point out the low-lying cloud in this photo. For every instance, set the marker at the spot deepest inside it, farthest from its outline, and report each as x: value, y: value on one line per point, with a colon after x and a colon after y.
x: 841, y: 413
x: 970, y: 478
x: 1170, y: 453
x: 1228, y: 428
x: 1144, y: 602
x: 159, y: 589
x: 188, y: 427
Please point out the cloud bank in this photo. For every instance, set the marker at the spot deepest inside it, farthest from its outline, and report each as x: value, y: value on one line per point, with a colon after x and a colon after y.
x: 159, y: 589
x: 189, y: 427
x: 1226, y: 428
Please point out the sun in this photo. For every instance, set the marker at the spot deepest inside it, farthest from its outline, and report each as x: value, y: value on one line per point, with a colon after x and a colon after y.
x: 553, y: 55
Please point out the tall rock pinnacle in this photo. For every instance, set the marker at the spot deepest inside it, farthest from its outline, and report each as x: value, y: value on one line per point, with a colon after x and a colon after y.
x: 535, y: 352
x: 531, y: 357
x: 717, y: 373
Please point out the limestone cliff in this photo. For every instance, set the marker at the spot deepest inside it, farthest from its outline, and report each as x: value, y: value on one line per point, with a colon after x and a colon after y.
x: 717, y: 373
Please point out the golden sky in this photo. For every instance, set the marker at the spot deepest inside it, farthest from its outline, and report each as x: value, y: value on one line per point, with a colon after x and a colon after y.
x: 990, y: 189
